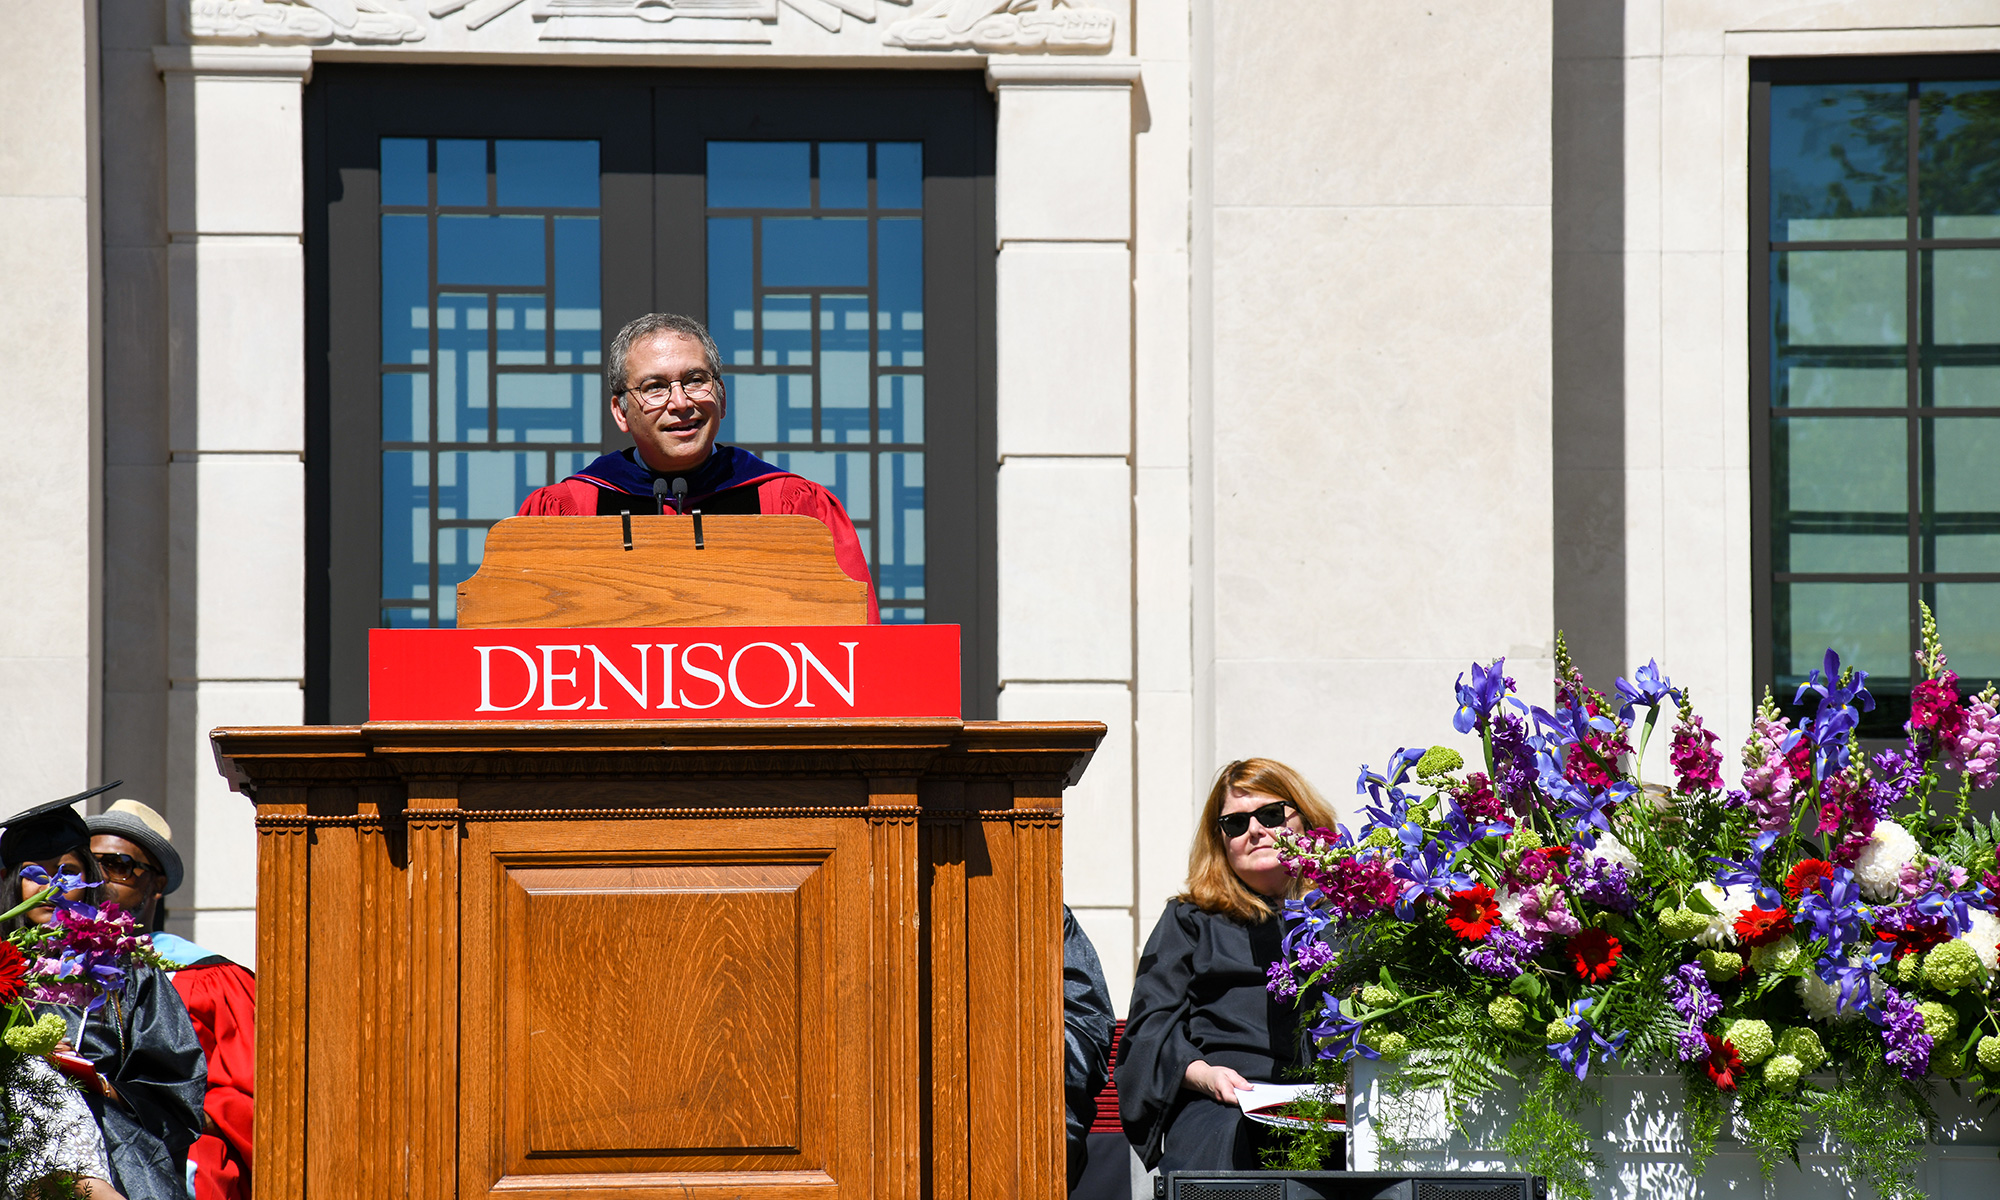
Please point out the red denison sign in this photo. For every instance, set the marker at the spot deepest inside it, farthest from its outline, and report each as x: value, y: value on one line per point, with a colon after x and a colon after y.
x: 663, y: 674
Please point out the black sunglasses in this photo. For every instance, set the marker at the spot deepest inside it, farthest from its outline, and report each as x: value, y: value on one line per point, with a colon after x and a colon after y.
x: 123, y: 867
x: 1236, y: 824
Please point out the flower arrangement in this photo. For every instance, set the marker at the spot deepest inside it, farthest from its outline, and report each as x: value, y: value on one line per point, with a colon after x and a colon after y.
x: 81, y: 957
x: 1811, y: 948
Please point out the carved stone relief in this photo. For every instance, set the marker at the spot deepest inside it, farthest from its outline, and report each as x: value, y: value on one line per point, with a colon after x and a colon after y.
x: 991, y: 26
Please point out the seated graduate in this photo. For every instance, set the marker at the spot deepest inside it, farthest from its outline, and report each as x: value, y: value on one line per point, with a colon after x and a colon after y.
x: 1087, y: 1021
x: 665, y: 379
x: 133, y: 847
x: 147, y: 1097
x: 1201, y: 1027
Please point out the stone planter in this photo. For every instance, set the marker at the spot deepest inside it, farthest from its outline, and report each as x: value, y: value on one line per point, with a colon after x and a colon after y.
x: 1639, y: 1134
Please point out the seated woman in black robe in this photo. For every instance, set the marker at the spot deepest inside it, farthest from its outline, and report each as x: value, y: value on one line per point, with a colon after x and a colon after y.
x: 1201, y: 1025
x: 151, y: 1073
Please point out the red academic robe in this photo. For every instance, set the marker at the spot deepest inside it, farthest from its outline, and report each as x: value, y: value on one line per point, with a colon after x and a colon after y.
x: 221, y: 1000
x: 725, y: 484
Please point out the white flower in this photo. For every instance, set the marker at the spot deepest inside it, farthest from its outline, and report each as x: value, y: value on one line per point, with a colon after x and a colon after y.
x: 1821, y: 997
x: 1879, y: 869
x: 1729, y: 904
x: 1984, y: 937
x: 1615, y: 852
x: 1509, y: 901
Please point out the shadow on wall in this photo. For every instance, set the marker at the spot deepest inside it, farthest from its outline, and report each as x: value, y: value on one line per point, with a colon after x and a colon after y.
x: 1588, y: 278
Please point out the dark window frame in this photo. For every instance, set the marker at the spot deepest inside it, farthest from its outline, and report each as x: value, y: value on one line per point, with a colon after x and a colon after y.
x: 653, y: 128
x: 1892, y: 706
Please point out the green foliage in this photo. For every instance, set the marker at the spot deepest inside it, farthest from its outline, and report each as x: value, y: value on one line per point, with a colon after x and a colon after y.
x: 1312, y: 1149
x: 1547, y: 1139
x: 1882, y: 1120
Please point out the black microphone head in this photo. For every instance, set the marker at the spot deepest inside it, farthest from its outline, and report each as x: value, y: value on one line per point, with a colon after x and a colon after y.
x: 680, y: 488
x: 660, y: 488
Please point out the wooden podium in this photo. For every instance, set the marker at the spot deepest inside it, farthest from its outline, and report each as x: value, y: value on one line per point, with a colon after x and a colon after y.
x: 573, y: 959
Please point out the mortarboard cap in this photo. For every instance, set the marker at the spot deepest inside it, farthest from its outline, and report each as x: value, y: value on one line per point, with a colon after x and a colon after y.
x: 47, y: 830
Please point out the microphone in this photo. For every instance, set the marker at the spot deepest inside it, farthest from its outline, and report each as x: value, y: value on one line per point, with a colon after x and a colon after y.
x: 660, y: 494
x: 680, y: 494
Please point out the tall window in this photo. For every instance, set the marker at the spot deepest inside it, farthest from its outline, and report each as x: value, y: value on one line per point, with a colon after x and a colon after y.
x: 816, y: 280
x: 1876, y: 274
x: 476, y: 235
x: 490, y: 346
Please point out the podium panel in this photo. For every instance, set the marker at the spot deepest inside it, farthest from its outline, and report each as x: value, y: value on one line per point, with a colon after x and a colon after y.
x: 756, y: 959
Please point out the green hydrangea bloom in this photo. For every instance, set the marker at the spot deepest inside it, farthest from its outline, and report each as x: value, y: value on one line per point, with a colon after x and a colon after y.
x: 1439, y: 760
x: 1778, y: 957
x: 1379, y: 837
x: 1782, y: 1071
x: 1989, y: 1053
x: 1940, y: 1022
x: 1953, y: 967
x: 1909, y: 970
x: 1752, y: 1039
x: 1682, y: 924
x: 1377, y: 996
x: 1523, y: 840
x: 1421, y: 814
x: 1388, y: 1043
x: 38, y: 1038
x: 1721, y: 965
x: 1558, y: 1031
x: 1947, y: 1062
x: 1507, y: 1011
x: 1803, y: 1044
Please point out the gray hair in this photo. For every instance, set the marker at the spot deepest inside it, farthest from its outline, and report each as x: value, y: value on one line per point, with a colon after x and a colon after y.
x: 639, y: 330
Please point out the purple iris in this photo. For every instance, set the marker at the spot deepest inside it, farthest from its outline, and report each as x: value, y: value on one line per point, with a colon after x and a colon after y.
x: 1305, y: 920
x: 1750, y: 872
x: 1456, y: 832
x: 1476, y: 700
x: 1833, y: 911
x: 1954, y: 907
x: 65, y: 882
x: 1587, y: 808
x: 1841, y: 703
x: 1389, y: 811
x: 1425, y: 870
x: 1648, y: 687
x: 1339, y: 1034
x: 1574, y: 1054
x: 1850, y: 980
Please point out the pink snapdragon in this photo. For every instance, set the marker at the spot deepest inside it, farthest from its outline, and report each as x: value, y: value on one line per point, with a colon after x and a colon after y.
x: 1767, y: 773
x: 1975, y: 749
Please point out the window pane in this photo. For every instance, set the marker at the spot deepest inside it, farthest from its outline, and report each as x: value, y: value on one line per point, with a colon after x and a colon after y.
x: 1969, y: 616
x: 406, y: 408
x: 494, y: 251
x: 899, y: 174
x: 900, y: 403
x: 545, y: 174
x: 1962, y: 495
x: 406, y: 171
x: 406, y: 290
x: 816, y: 252
x: 462, y: 368
x: 461, y: 172
x: 843, y: 174
x: 1838, y: 155
x: 406, y: 525
x: 760, y: 174
x: 1868, y: 623
x: 731, y: 311
x: 899, y: 549
x: 1840, y: 500
x: 579, y: 331
x: 1840, y: 297
x: 1958, y: 189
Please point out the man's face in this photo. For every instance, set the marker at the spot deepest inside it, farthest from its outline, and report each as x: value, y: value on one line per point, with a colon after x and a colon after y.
x: 677, y: 436
x: 131, y: 877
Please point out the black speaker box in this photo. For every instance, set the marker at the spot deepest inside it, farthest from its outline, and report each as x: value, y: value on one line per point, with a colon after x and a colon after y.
x: 1349, y: 1185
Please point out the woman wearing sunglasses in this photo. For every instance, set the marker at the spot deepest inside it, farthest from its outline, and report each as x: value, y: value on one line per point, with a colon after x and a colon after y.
x: 1201, y: 1026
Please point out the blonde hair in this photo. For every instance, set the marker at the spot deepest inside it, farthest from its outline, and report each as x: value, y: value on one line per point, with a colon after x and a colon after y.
x: 1212, y: 885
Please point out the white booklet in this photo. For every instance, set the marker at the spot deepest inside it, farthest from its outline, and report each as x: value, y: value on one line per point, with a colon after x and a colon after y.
x: 1265, y: 1103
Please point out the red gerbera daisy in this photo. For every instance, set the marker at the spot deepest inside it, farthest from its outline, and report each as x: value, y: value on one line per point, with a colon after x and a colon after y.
x: 13, y: 972
x: 1724, y: 1064
x: 1805, y: 877
x: 1762, y: 926
x: 1474, y: 913
x: 1594, y: 953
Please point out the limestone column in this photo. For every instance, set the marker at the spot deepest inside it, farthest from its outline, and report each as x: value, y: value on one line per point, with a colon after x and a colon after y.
x: 50, y: 399
x: 236, y: 472
x: 1064, y: 323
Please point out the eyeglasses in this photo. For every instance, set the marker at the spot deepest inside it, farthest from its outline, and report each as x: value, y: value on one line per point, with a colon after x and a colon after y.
x: 1236, y: 824
x: 123, y: 867
x: 654, y: 394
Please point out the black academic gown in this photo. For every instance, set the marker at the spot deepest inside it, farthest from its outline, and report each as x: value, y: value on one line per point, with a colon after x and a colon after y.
x: 1087, y: 1021
x: 144, y: 1044
x: 1200, y: 995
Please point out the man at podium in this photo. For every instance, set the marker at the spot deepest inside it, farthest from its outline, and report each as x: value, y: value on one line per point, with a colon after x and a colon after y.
x: 664, y: 375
